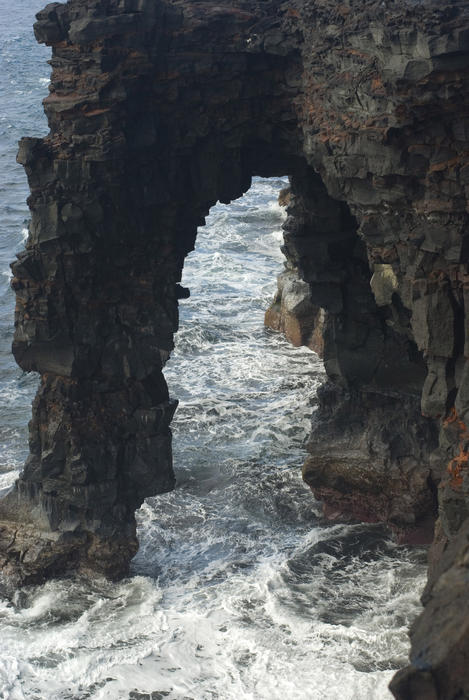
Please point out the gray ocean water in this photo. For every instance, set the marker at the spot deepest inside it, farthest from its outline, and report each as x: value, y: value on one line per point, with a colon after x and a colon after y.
x: 240, y: 590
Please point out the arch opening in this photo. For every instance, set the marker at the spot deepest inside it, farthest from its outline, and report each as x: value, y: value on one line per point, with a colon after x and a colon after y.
x: 106, y: 409
x: 117, y: 193
x: 240, y: 545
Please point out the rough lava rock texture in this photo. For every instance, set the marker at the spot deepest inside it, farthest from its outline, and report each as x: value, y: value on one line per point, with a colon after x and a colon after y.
x: 292, y: 312
x: 159, y: 108
x: 439, y: 668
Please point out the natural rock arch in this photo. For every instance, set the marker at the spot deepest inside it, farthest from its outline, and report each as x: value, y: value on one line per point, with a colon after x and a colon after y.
x: 157, y: 109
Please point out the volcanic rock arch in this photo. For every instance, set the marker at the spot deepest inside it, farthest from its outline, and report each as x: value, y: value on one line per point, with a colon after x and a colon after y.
x: 159, y: 108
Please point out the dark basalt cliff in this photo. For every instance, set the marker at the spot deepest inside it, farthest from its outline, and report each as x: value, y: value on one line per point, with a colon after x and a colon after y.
x: 159, y: 108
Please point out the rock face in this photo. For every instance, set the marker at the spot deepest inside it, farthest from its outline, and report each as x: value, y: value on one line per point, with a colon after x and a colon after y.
x: 292, y: 312
x: 159, y: 108
x: 440, y: 637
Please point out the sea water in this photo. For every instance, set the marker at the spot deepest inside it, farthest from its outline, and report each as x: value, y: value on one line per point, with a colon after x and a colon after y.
x: 240, y: 590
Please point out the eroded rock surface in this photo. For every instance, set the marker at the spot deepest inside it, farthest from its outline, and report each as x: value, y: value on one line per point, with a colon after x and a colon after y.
x: 292, y: 311
x: 440, y: 638
x: 159, y: 108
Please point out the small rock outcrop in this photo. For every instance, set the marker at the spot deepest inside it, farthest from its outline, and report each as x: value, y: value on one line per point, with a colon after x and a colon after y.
x: 292, y: 312
x: 159, y: 108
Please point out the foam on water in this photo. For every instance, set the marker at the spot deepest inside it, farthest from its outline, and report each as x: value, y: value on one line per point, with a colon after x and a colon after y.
x: 240, y: 589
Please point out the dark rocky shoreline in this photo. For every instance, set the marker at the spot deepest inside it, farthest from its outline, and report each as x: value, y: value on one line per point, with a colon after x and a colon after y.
x: 157, y: 109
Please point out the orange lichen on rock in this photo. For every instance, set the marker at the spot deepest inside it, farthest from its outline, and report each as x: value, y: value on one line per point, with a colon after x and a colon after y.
x: 455, y: 468
x: 377, y: 85
x: 448, y: 164
x: 457, y: 465
x: 454, y: 418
